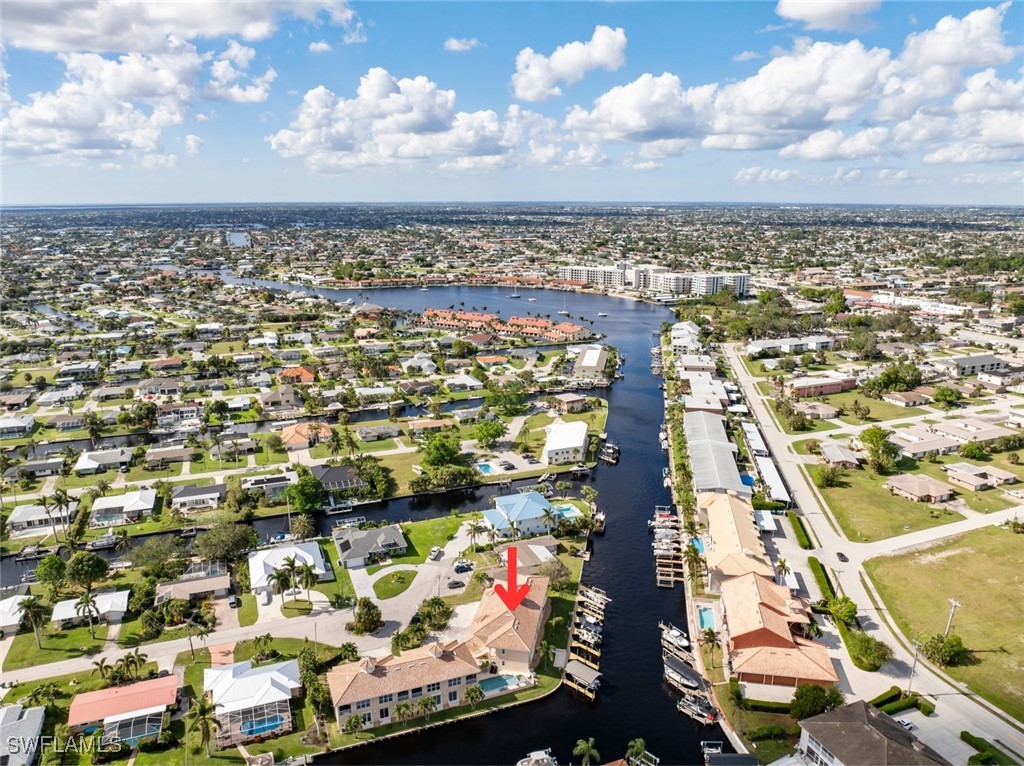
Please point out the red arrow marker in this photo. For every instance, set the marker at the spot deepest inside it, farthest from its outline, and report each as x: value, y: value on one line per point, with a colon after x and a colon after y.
x: 513, y: 595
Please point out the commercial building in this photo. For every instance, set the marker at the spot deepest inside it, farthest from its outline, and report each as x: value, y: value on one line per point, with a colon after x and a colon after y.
x: 712, y: 456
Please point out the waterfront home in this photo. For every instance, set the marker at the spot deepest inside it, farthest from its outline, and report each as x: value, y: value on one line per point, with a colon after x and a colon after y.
x: 374, y: 393
x: 118, y: 510
x: 210, y: 580
x: 733, y: 545
x: 372, y: 687
x: 233, y: 446
x: 35, y: 469
x: 25, y: 518
x: 362, y: 547
x: 111, y: 606
x: 188, y: 498
x: 304, y: 435
x: 531, y: 554
x: 96, y: 461
x: 297, y: 375
x: 264, y: 561
x: 172, y: 414
x: 377, y: 433
x: 161, y: 457
x: 16, y: 426
x: 919, y: 488
x: 522, y: 515
x: 21, y: 730
x: 337, y: 478
x: 506, y: 639
x: 250, y: 701
x: 283, y: 398
x: 565, y: 443
x: 126, y: 714
x: 591, y: 362
x: 272, y: 486
x: 67, y: 422
x: 462, y: 382
x: 569, y: 402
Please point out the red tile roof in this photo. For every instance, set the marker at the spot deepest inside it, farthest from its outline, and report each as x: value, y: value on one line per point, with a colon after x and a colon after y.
x: 118, y: 700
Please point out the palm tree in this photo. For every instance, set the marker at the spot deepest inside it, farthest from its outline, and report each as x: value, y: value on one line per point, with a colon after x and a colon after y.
x: 514, y: 529
x: 335, y: 442
x: 586, y: 751
x: 303, y: 526
x: 87, y: 605
x: 589, y: 495
x: 102, y: 486
x: 291, y: 565
x: 550, y: 518
x: 474, y: 695
x: 353, y: 724
x: 782, y: 567
x: 217, y: 441
x: 546, y: 652
x: 34, y: 611
x: 201, y: 717
x: 137, y: 661
x: 64, y: 501
x: 45, y: 694
x: 693, y: 559
x: 94, y: 427
x: 124, y: 541
x: 711, y: 638
x: 426, y: 706
x: 197, y: 630
x: 404, y: 710
x: 307, y: 578
x: 635, y: 751
x: 474, y: 528
x: 102, y: 667
x: 280, y: 581
x: 49, y: 506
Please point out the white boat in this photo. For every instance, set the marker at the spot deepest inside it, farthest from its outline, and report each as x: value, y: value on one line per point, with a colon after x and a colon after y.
x: 580, y: 468
x: 564, y: 313
x: 109, y: 540
x: 531, y: 300
x: 538, y: 758
x: 424, y: 289
x: 674, y: 636
x: 601, y: 314
x: 515, y: 292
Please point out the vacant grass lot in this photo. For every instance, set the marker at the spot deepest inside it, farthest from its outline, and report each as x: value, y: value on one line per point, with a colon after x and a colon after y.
x: 879, y: 410
x: 867, y: 511
x: 57, y: 644
x: 981, y: 570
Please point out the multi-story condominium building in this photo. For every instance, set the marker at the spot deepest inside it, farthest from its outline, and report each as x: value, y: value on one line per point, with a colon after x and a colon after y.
x: 605, y: 276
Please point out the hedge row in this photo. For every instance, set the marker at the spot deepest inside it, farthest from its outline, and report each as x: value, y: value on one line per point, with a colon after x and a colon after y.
x: 770, y: 731
x: 893, y: 694
x: 987, y: 752
x: 900, y: 705
x: 801, y: 533
x: 767, y: 706
x: 825, y: 584
x: 926, y: 707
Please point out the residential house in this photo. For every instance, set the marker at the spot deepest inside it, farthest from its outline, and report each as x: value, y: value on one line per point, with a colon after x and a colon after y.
x: 251, y: 702
x: 374, y: 393
x: 337, y: 478
x: 168, y: 415
x: 812, y: 386
x: 919, y: 441
x: 362, y: 547
x: 188, y: 498
x: 857, y: 734
x: 58, y: 397
x: 377, y: 433
x: 10, y: 609
x: 905, y: 398
x: 418, y: 428
x: 419, y: 364
x: 26, y: 518
x: 16, y: 401
x: 96, y: 461
x: 372, y: 687
x: 839, y: 456
x: 590, y: 363
x: 531, y: 554
x: 35, y: 469
x: 159, y: 387
x: 565, y: 443
x: 966, y: 430
x: 570, y: 402
x: 919, y: 488
x: 161, y: 457
x: 126, y: 714
x: 21, y: 734
x: 208, y: 579
x: 67, y: 422
x: 523, y: 515
x: 304, y: 435
x: 16, y: 426
x: 118, y: 510
x: 462, y: 382
x: 283, y: 398
x: 84, y: 370
x: 111, y: 606
x: 508, y: 639
x: 272, y: 486
x: 163, y: 365
x: 817, y: 410
x: 264, y: 561
x: 978, y: 478
x: 733, y: 545
x: 299, y: 374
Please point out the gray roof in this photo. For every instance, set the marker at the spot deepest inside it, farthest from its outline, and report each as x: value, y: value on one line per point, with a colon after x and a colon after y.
x: 584, y: 673
x: 712, y: 455
x: 19, y: 726
x: 193, y: 490
x: 860, y: 733
x: 357, y: 544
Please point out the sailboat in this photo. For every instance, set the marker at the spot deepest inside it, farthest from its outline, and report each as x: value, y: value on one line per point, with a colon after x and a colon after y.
x: 515, y: 292
x: 564, y: 311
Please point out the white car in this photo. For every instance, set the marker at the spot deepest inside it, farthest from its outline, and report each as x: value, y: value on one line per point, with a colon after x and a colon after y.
x: 436, y: 553
x: 905, y: 723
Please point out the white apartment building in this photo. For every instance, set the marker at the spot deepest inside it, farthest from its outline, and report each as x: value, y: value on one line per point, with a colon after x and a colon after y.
x: 605, y: 276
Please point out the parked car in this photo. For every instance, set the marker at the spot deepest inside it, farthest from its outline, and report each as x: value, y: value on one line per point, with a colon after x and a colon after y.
x: 905, y: 723
x: 842, y: 557
x: 463, y: 568
x: 453, y: 584
x: 233, y: 601
x: 436, y: 553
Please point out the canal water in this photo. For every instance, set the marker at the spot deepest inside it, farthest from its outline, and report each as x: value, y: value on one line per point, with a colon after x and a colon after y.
x: 633, y: 700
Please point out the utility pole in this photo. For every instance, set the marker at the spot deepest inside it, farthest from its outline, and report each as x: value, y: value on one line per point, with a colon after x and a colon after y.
x: 953, y: 604
x: 910, y: 683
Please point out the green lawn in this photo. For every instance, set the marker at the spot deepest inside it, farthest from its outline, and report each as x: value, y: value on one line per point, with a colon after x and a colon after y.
x: 983, y: 502
x: 58, y: 645
x: 867, y: 511
x: 341, y: 586
x: 296, y: 608
x: 248, y: 612
x: 424, y: 535
x: 393, y: 583
x: 879, y: 410
x: 816, y: 426
x: 981, y: 570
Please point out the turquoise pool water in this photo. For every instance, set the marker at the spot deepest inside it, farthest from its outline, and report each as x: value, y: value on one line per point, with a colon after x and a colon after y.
x: 566, y: 512
x: 251, y: 728
x: 698, y: 544
x: 747, y: 479
x: 498, y: 683
x: 706, y: 616
x: 485, y: 468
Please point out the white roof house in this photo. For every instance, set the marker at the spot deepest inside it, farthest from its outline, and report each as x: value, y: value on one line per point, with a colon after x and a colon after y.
x: 34, y: 515
x: 10, y: 616
x: 240, y: 686
x: 20, y: 730
x: 114, y: 510
x: 110, y: 605
x: 16, y: 425
x: 566, y: 442
x: 263, y: 562
x: 92, y: 461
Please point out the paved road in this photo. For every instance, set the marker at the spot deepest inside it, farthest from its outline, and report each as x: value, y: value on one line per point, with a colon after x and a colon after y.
x: 956, y: 709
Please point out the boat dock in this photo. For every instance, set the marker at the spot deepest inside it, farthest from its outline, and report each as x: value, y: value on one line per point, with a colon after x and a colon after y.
x: 582, y: 678
x: 586, y: 636
x: 669, y: 566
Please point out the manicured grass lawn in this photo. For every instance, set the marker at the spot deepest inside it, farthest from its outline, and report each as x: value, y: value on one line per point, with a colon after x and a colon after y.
x: 341, y: 586
x: 58, y: 645
x: 867, y: 511
x: 981, y: 570
x: 816, y: 425
x: 74, y: 481
x: 424, y: 535
x: 880, y: 410
x: 393, y: 583
x: 247, y: 610
x: 129, y: 635
x: 296, y: 608
x: 141, y: 474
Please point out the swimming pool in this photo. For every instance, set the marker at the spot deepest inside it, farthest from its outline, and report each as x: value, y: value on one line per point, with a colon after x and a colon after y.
x: 747, y: 479
x: 567, y: 512
x: 698, y: 544
x: 253, y: 728
x: 485, y: 468
x: 707, y: 617
x: 498, y: 683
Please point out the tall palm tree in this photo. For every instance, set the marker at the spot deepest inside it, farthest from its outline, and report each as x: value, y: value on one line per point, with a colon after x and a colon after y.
x: 102, y: 486
x: 474, y: 695
x: 291, y: 565
x: 514, y: 529
x: 307, y: 578
x: 635, y: 751
x: 218, y: 442
x: 138, y: 660
x: 94, y: 427
x: 280, y: 581
x: 711, y: 638
x: 303, y: 526
x: 546, y: 652
x: 124, y: 541
x: 64, y: 501
x: 45, y: 694
x: 694, y: 560
x: 197, y: 630
x: 550, y: 518
x: 782, y: 567
x: 87, y: 605
x: 586, y: 751
x: 102, y: 667
x: 34, y: 611
x: 475, y: 528
x: 201, y: 717
x: 49, y: 506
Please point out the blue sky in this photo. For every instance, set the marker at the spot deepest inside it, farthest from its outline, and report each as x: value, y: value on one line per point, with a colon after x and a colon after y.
x: 318, y: 100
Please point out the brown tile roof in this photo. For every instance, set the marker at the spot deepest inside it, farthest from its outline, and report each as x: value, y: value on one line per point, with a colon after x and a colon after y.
x: 804, y: 660
x: 118, y: 700
x: 753, y: 603
x: 368, y: 678
x: 494, y: 626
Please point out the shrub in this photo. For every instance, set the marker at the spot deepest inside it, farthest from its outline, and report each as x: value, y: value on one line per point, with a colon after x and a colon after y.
x: 900, y: 705
x: 760, y: 503
x: 800, y: 531
x: 867, y: 652
x: 825, y: 584
x: 926, y: 707
x: 894, y: 693
x: 987, y: 752
x: 766, y: 732
x: 736, y: 694
x: 767, y: 706
x: 811, y: 700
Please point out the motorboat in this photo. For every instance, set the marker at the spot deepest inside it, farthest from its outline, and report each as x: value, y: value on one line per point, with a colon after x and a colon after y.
x: 29, y: 577
x: 109, y: 540
x: 30, y: 553
x: 538, y: 757
x: 673, y: 635
x: 588, y: 622
x: 601, y: 314
x: 600, y: 521
x: 531, y: 300
x: 580, y: 468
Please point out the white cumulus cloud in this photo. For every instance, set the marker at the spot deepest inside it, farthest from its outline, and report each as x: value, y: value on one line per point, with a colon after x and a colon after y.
x: 746, y: 56
x: 225, y: 72
x: 192, y: 144
x: 833, y: 144
x: 840, y: 15
x: 537, y: 76
x: 319, y: 46
x: 461, y: 44
x: 759, y: 175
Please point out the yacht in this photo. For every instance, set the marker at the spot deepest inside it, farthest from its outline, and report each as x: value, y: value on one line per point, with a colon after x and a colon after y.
x: 538, y: 758
x: 109, y: 540
x: 424, y: 289
x: 515, y: 292
x: 672, y: 635
x: 600, y: 521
